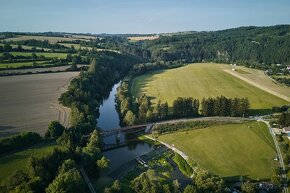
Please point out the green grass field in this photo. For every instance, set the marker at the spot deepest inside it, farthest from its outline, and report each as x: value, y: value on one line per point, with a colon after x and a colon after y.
x: 18, y: 160
x: 21, y: 64
x: 46, y: 54
x: 198, y: 81
x: 229, y: 150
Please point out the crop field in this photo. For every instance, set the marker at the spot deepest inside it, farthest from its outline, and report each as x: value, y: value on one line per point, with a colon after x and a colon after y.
x: 230, y: 150
x: 52, y: 40
x: 142, y: 38
x: 30, y: 102
x: 203, y: 80
x: 17, y: 161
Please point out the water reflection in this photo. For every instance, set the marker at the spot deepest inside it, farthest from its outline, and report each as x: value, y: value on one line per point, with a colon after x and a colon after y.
x: 109, y: 118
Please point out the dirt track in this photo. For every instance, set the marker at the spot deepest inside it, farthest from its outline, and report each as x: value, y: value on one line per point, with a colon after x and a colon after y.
x: 235, y: 74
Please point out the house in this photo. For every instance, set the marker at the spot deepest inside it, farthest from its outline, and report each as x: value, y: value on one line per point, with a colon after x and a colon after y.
x: 265, y: 186
x: 286, y: 130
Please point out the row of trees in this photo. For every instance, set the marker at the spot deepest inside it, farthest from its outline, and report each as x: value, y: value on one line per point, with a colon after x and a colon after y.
x: 141, y: 110
x: 222, y: 106
x: 18, y: 142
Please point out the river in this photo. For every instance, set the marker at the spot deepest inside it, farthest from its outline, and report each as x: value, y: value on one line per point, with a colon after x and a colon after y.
x: 109, y: 119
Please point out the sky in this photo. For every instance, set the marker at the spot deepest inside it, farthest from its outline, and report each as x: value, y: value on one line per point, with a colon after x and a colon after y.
x: 139, y: 16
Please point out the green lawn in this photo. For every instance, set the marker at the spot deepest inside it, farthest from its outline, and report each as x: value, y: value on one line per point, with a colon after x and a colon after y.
x: 229, y: 150
x: 18, y: 160
x: 198, y: 81
x: 46, y: 54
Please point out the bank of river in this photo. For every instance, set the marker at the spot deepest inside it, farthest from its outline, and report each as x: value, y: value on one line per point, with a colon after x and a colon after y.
x: 109, y: 119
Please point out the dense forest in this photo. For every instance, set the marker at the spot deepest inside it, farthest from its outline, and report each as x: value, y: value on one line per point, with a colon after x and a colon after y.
x: 262, y: 45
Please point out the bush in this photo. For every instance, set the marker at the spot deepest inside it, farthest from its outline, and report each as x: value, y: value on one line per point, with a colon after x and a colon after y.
x: 183, y: 166
x: 186, y: 125
x: 20, y: 141
x: 55, y: 129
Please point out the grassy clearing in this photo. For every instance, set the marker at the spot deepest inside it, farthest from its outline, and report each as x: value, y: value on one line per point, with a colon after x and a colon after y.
x: 198, y: 81
x: 18, y: 161
x: 46, y: 54
x: 229, y: 150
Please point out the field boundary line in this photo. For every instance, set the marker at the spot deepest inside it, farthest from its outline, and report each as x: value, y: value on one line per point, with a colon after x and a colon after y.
x: 258, y: 86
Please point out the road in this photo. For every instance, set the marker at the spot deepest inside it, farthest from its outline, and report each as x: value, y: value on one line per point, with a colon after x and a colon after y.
x: 281, y: 161
x: 86, y: 178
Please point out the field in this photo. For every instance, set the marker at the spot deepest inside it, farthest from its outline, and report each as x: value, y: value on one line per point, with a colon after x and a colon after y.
x: 18, y: 160
x: 76, y: 46
x: 37, y: 70
x: 229, y: 150
x: 52, y: 40
x: 203, y: 80
x: 30, y: 102
x: 27, y: 47
x: 259, y: 79
x: 21, y: 64
x: 142, y: 38
x: 46, y: 54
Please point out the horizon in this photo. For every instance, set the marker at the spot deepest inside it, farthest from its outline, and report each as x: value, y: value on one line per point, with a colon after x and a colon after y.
x: 88, y: 33
x: 139, y: 17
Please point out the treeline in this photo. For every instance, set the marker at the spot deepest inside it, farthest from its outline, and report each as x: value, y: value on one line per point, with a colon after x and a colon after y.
x: 183, y: 125
x: 18, y: 142
x: 202, y: 181
x: 128, y: 109
x: 285, y: 81
x: 284, y: 119
x: 141, y: 109
x: 244, y: 45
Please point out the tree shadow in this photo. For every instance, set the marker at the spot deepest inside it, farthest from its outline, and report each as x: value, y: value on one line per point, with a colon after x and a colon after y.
x: 260, y: 111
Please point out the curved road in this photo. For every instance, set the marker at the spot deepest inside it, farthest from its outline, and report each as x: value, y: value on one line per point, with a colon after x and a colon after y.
x: 284, y: 176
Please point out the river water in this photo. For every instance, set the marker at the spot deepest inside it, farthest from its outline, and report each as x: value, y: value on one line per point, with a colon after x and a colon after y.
x: 109, y: 119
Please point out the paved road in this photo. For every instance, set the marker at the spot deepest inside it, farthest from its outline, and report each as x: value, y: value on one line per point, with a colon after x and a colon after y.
x: 281, y: 161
